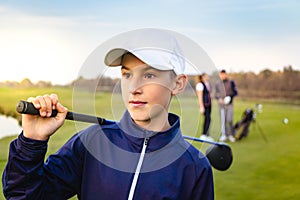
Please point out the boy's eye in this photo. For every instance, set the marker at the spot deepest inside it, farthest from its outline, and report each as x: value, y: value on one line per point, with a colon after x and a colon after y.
x: 149, y: 75
x: 126, y: 74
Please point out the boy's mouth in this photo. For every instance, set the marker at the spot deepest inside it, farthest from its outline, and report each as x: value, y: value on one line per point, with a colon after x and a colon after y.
x: 137, y: 103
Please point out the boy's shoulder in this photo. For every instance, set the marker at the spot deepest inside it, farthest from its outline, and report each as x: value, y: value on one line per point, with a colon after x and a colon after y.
x: 97, y: 129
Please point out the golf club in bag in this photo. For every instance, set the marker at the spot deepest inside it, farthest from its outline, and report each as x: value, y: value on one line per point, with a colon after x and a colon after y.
x: 219, y: 154
x: 241, y: 128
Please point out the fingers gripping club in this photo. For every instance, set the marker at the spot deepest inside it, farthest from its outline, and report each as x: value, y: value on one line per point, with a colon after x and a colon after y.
x: 24, y: 107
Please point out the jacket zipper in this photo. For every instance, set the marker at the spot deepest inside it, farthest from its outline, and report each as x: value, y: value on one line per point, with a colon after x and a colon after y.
x: 138, y: 170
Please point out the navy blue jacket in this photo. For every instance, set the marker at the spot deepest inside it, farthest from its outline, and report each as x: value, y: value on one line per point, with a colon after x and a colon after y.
x: 100, y: 161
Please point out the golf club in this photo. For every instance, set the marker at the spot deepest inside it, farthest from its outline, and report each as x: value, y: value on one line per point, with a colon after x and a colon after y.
x: 219, y: 154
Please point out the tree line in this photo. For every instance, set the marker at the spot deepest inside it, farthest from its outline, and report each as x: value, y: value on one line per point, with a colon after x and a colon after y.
x: 284, y: 84
x: 268, y: 84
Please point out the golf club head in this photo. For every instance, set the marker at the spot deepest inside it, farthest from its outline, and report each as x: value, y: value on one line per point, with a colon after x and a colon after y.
x: 219, y: 156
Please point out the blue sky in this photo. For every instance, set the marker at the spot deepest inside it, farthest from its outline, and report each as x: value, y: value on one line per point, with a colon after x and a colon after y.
x: 50, y: 40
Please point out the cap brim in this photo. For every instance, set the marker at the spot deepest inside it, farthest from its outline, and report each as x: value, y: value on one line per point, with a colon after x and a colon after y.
x: 114, y: 57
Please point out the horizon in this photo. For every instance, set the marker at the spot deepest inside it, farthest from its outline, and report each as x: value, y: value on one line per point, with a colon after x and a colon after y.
x: 119, y: 77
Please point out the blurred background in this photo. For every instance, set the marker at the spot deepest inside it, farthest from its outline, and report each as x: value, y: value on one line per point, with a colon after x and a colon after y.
x: 43, y: 45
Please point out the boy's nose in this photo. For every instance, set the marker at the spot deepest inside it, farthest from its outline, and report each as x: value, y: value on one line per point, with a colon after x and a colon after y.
x: 135, y: 86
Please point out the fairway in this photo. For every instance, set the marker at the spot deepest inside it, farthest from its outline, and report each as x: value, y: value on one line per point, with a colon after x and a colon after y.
x: 260, y: 169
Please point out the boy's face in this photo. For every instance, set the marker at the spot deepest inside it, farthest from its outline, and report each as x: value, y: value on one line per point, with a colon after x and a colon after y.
x: 146, y: 91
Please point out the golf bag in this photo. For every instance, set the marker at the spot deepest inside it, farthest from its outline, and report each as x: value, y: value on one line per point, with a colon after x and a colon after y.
x: 241, y: 128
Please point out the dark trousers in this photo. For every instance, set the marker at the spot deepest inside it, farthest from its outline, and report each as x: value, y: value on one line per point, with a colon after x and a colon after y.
x: 207, y: 120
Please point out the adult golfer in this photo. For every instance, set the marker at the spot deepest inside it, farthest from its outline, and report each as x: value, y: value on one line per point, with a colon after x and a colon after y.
x: 143, y: 156
x: 226, y: 90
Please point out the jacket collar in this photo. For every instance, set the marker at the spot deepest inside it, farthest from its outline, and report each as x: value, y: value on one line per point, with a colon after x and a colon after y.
x: 136, y: 134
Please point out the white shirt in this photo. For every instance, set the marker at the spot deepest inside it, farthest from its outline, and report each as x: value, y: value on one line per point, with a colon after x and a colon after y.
x: 200, y: 87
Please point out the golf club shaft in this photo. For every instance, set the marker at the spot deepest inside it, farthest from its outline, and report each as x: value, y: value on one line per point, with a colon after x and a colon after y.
x: 25, y: 107
x: 199, y: 140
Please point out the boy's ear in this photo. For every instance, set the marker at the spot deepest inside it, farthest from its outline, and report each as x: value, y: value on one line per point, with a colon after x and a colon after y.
x: 180, y: 83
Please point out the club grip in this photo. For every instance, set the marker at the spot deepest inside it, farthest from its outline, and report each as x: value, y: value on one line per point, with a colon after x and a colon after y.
x: 25, y: 107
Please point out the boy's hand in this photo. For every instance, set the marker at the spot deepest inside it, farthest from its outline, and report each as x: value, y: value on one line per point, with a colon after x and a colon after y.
x: 41, y: 127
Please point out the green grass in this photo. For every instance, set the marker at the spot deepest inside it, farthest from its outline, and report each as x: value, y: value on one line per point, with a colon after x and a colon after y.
x: 260, y: 170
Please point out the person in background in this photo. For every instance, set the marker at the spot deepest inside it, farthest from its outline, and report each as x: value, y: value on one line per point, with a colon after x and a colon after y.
x: 204, y: 99
x: 225, y: 92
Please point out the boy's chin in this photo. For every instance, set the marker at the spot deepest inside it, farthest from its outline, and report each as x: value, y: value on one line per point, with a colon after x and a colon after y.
x: 140, y: 119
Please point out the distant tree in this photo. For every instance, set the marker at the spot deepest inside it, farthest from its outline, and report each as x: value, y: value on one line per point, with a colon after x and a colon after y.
x: 266, y: 73
x: 291, y: 79
x: 43, y: 84
x: 26, y: 83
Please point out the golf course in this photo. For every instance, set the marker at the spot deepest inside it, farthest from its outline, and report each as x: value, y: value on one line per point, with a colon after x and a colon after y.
x: 266, y: 164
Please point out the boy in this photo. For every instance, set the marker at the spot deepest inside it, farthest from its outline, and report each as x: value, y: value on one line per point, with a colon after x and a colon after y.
x: 143, y: 156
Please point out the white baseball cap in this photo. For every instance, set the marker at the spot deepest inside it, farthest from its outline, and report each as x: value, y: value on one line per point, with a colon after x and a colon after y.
x: 157, y: 48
